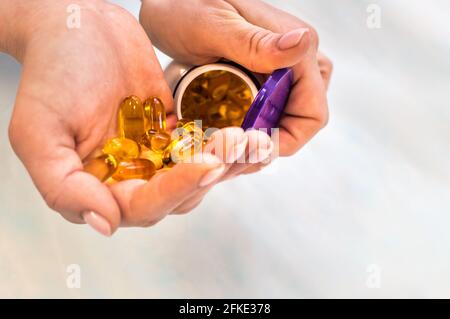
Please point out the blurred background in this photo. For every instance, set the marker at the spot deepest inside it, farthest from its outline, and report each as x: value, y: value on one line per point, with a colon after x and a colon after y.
x: 361, y: 211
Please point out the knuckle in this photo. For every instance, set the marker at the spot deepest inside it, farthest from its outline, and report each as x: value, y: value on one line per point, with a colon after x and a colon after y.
x: 13, y: 133
x: 256, y: 40
x: 51, y: 199
x: 325, y: 63
x: 323, y: 119
x: 314, y: 36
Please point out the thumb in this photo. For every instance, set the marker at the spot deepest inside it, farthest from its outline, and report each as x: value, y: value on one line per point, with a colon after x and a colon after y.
x: 259, y: 49
x: 145, y: 203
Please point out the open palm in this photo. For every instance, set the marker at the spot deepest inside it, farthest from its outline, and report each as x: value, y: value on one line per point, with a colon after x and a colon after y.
x: 72, y: 84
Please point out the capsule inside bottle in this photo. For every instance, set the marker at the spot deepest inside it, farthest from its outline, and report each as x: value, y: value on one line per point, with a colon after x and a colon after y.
x: 218, y: 98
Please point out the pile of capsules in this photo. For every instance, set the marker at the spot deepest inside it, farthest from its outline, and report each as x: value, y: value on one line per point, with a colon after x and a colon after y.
x: 219, y: 98
x: 144, y: 145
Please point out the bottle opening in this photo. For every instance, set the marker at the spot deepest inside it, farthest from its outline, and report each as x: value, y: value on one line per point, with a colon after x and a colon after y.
x: 218, y: 95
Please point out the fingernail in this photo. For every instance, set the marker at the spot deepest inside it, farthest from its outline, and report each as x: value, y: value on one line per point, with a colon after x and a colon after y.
x: 212, y: 176
x: 237, y: 151
x: 291, y: 39
x: 98, y: 223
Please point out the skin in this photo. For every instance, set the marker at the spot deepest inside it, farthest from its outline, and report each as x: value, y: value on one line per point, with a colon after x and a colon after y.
x: 66, y: 107
x: 248, y: 32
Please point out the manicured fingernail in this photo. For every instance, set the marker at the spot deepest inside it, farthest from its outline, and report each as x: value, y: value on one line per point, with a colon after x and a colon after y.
x: 212, y: 176
x: 98, y: 223
x: 291, y: 39
x: 237, y: 151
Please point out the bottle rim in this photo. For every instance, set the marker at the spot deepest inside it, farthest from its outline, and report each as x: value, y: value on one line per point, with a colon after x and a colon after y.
x: 193, y: 73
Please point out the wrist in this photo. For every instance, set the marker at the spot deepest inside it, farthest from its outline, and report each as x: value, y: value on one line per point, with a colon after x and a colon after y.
x: 12, y: 31
x: 21, y: 20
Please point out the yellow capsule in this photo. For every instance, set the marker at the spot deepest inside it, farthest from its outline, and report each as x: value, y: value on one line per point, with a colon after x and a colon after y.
x: 195, y: 131
x: 198, y: 99
x: 183, y: 121
x: 170, y: 164
x: 181, y: 149
x: 137, y: 168
x: 102, y: 167
x: 121, y: 148
x: 241, y: 96
x: 234, y: 112
x: 156, y: 114
x: 155, y: 157
x: 213, y: 74
x: 219, y: 85
x: 131, y: 119
x: 156, y: 141
x: 217, y: 112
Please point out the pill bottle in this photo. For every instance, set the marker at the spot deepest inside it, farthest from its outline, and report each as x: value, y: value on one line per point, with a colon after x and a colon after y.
x: 226, y: 94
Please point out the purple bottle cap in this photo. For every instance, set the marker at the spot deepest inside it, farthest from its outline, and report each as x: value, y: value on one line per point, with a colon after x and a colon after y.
x: 269, y: 103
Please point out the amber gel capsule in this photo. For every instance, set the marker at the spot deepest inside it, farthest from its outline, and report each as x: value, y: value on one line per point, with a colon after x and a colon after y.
x: 179, y: 150
x: 156, y: 114
x: 219, y: 85
x: 183, y: 147
x: 102, y: 167
x: 155, y: 157
x: 137, y: 168
x: 121, y: 148
x: 195, y: 131
x: 156, y: 138
x: 131, y: 119
x: 156, y: 141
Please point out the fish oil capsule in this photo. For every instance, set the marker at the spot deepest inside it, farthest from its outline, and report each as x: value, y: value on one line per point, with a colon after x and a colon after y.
x: 170, y: 164
x: 213, y: 74
x: 218, y: 86
x: 234, y: 111
x: 217, y: 115
x: 156, y: 114
x: 137, y: 168
x: 198, y: 99
x: 102, y: 167
x: 155, y: 157
x: 131, y: 119
x: 121, y: 148
x: 241, y: 96
x: 183, y: 121
x: 192, y: 129
x: 156, y: 141
x: 181, y: 149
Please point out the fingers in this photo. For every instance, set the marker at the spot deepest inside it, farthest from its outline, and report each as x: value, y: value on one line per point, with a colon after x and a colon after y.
x: 258, y: 49
x: 191, y: 203
x: 257, y: 154
x: 307, y: 109
x: 57, y: 171
x: 229, y: 145
x: 182, y: 188
x: 145, y: 203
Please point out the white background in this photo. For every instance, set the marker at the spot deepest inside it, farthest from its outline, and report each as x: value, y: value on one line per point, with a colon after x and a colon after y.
x: 372, y: 188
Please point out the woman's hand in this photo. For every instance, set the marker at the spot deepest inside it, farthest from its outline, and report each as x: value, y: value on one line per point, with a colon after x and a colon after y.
x: 73, y: 81
x: 257, y: 36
